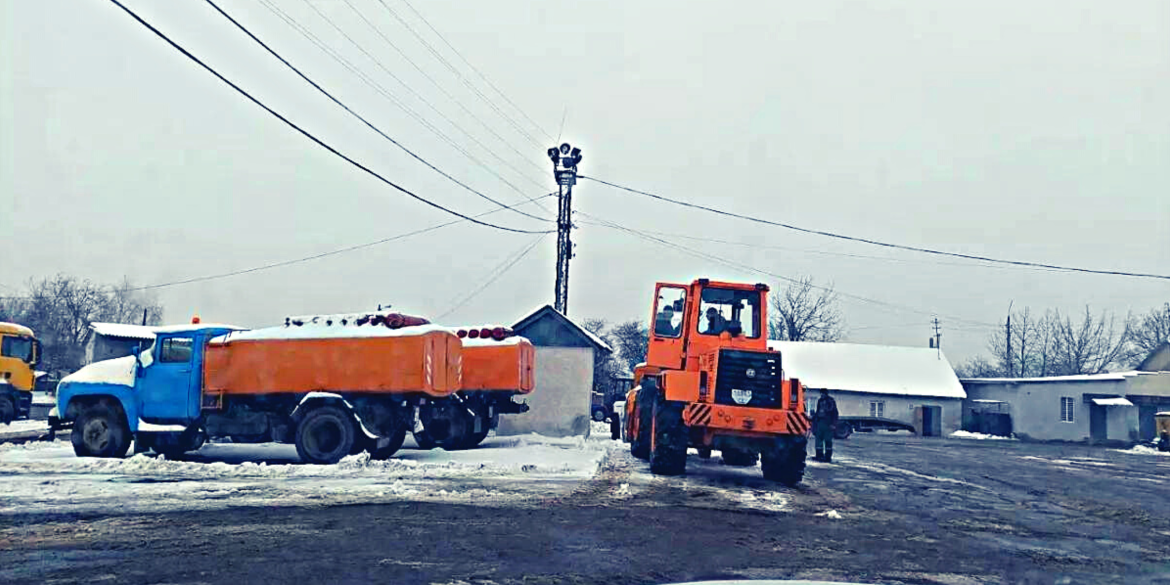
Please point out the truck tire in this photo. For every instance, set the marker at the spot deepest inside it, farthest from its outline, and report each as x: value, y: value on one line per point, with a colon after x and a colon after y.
x: 599, y: 414
x: 640, y: 442
x: 425, y: 442
x: 100, y: 432
x: 389, y: 450
x: 7, y: 410
x: 325, y: 435
x: 739, y: 458
x: 843, y: 431
x: 785, y: 464
x: 668, y: 455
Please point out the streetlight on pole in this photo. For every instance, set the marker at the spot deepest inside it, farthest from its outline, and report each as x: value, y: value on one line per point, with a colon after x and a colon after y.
x: 565, y: 160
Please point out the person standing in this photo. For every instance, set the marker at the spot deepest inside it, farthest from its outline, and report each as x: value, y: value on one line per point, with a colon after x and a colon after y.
x: 824, y: 425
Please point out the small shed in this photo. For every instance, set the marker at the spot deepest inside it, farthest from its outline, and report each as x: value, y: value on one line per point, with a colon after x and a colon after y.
x: 912, y: 385
x: 113, y: 340
x: 565, y: 354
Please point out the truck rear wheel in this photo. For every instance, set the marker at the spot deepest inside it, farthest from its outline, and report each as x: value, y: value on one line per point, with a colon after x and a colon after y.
x: 7, y: 410
x: 100, y: 432
x: 785, y: 463
x: 325, y: 435
x: 640, y: 442
x: 387, y: 451
x: 668, y: 455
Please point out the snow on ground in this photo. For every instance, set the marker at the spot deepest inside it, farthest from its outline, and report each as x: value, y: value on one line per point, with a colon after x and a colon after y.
x: 43, y: 399
x: 23, y: 429
x: 47, y: 477
x: 979, y: 436
x: 1144, y: 450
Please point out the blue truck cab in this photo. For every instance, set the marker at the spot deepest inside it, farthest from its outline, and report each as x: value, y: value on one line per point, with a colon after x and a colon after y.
x: 153, y: 394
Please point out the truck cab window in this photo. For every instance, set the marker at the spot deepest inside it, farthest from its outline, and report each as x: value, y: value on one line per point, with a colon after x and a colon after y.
x: 17, y: 347
x: 175, y: 350
x: 729, y: 310
x: 668, y: 313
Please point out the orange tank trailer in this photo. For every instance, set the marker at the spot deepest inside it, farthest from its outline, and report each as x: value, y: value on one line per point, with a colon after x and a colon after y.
x: 429, y: 363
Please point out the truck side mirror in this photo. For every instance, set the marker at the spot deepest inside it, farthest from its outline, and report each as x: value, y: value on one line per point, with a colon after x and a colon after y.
x: 36, y: 354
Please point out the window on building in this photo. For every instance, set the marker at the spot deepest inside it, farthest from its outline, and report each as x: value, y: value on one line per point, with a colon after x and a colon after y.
x: 176, y: 350
x: 1066, y: 409
x: 877, y: 408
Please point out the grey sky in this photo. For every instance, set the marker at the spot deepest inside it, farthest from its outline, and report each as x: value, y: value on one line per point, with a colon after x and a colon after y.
x: 1036, y: 130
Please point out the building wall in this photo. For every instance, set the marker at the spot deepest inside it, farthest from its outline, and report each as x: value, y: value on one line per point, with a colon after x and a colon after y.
x: 1158, y: 360
x: 898, y: 407
x: 1035, y: 408
x: 101, y: 347
x: 559, y: 406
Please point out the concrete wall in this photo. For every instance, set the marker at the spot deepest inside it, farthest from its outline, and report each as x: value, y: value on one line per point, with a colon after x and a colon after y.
x: 1035, y: 408
x: 559, y: 406
x: 101, y: 347
x: 898, y: 407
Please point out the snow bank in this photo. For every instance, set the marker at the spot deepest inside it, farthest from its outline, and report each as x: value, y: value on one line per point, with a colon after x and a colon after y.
x: 480, y: 342
x: 311, y: 331
x: 116, y: 371
x: 1144, y: 450
x: 979, y: 436
x: 23, y: 429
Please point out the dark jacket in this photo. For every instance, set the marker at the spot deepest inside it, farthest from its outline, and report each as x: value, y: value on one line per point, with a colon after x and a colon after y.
x: 826, y: 411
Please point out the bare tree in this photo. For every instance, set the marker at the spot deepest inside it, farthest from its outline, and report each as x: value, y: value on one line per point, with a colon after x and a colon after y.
x: 1149, y: 332
x: 606, y: 366
x: 1090, y: 346
x: 632, y: 339
x: 805, y: 311
x: 978, y: 367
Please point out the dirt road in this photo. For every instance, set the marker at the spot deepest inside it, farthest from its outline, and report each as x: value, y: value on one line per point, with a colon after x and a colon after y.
x: 895, y: 509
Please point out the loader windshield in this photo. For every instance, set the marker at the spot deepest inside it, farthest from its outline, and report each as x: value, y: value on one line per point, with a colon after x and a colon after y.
x: 734, y: 311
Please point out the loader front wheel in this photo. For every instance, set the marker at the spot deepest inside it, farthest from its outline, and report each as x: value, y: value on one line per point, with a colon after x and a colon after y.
x: 785, y: 463
x: 640, y: 442
x: 326, y: 435
x: 669, y: 453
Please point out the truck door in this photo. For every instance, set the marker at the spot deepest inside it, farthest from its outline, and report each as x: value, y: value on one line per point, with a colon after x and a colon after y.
x: 166, y: 385
x: 667, y: 326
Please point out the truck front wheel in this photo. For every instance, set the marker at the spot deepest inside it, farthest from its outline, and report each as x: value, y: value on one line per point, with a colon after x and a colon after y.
x: 325, y: 435
x: 100, y: 432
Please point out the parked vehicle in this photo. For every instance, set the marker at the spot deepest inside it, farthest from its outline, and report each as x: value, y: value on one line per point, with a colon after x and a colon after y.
x: 1163, y: 421
x: 710, y: 382
x: 20, y: 352
x: 333, y: 386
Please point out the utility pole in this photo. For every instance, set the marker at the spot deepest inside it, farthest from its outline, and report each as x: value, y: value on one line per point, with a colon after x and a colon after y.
x: 938, y: 338
x: 1007, y: 346
x: 565, y: 160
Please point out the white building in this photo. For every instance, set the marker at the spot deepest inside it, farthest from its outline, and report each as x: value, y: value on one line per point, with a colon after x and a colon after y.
x: 913, y: 385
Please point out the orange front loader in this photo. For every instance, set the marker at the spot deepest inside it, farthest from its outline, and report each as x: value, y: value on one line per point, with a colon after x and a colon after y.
x: 710, y: 382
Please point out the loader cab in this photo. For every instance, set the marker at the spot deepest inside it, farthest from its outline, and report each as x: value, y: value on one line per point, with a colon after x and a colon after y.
x: 690, y: 320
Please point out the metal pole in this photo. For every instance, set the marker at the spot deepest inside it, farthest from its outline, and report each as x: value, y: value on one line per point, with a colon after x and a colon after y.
x: 568, y: 248
x: 562, y: 236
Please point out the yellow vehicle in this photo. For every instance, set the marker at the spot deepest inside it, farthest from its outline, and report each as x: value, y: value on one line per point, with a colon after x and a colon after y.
x: 20, y: 352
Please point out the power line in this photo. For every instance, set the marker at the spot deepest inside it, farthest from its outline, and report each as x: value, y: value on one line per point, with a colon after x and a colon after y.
x: 377, y: 87
x: 314, y: 256
x: 358, y: 116
x: 476, y: 70
x: 739, y: 266
x: 457, y: 74
x: 827, y: 253
x: 308, y: 135
x: 496, y: 273
x: 441, y: 89
x: 405, y: 85
x: 877, y: 242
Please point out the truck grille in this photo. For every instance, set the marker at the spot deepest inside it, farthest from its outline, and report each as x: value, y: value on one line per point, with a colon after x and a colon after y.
x: 733, y: 375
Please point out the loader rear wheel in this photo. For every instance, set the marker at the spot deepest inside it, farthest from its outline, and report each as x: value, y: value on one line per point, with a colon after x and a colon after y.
x: 739, y: 458
x: 325, y: 435
x: 385, y: 452
x: 668, y: 456
x: 785, y: 463
x: 640, y: 442
x: 100, y: 432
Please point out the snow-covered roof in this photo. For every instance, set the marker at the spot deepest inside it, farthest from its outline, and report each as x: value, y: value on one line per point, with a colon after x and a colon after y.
x: 595, y: 340
x: 1115, y: 401
x: 1051, y: 379
x: 123, y: 330
x: 880, y: 369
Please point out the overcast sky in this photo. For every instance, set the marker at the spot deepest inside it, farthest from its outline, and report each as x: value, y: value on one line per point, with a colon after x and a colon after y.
x: 1023, y: 130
